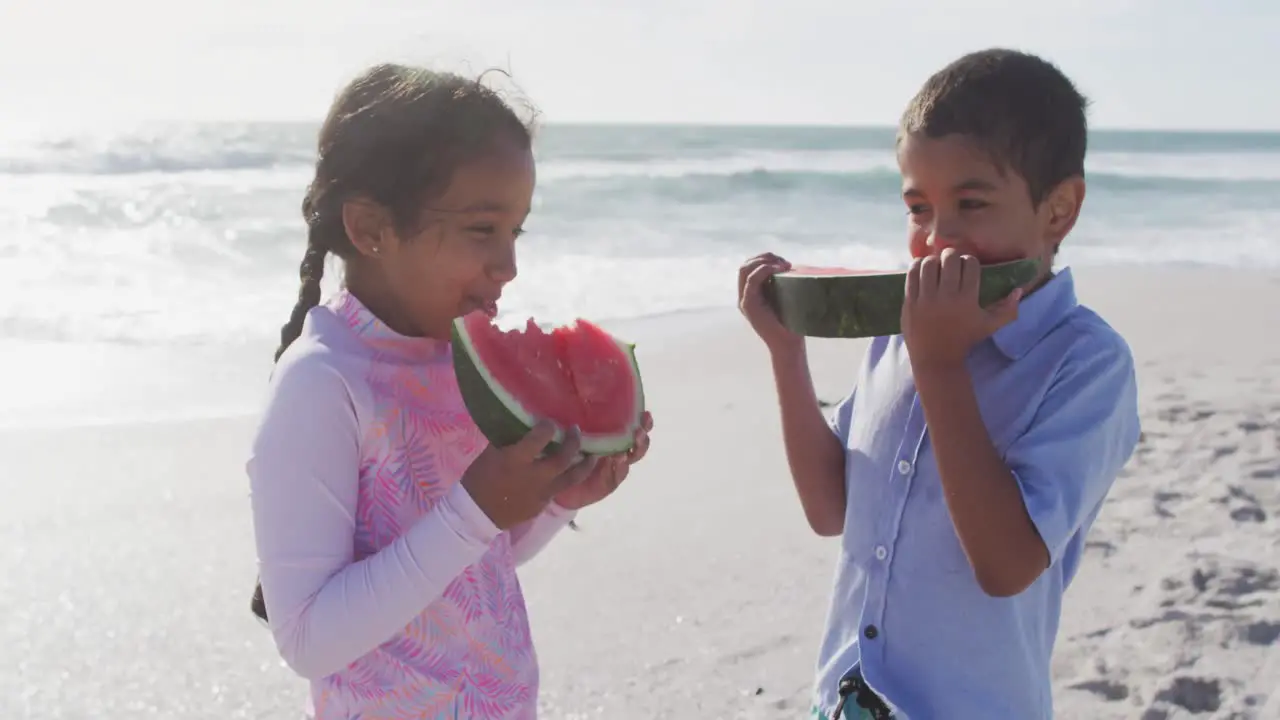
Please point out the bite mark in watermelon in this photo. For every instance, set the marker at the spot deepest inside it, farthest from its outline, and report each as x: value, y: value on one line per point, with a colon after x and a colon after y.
x: 577, y: 374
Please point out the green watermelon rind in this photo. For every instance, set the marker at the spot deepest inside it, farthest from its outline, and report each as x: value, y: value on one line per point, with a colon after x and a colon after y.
x: 870, y: 305
x: 503, y: 420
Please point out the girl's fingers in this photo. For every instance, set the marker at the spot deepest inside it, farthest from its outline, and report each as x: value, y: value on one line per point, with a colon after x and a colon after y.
x: 641, y: 446
x: 619, y: 468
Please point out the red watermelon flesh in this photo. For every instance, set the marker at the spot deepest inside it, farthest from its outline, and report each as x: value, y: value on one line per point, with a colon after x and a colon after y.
x: 812, y: 270
x: 601, y: 373
x: 573, y: 375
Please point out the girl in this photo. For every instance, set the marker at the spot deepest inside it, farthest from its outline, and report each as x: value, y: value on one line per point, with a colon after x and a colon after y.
x: 388, y: 531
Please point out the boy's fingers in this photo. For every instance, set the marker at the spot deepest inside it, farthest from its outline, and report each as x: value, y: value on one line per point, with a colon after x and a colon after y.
x: 970, y: 275
x: 950, y: 267
x: 912, y: 291
x: 756, y: 279
x: 751, y: 265
x: 929, y: 272
x: 744, y: 271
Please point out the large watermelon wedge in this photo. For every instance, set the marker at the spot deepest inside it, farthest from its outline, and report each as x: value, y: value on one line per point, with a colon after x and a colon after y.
x: 573, y: 375
x: 831, y: 302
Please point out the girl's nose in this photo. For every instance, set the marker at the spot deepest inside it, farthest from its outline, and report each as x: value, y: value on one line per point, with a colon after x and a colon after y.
x: 502, y: 268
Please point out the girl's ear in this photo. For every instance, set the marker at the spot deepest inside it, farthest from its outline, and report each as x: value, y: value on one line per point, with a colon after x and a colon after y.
x: 368, y: 226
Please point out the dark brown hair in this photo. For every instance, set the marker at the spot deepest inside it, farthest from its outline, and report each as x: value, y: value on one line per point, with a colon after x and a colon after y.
x: 1018, y: 108
x: 394, y: 136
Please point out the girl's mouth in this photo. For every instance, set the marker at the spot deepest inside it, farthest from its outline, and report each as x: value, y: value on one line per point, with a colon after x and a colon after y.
x: 488, y: 307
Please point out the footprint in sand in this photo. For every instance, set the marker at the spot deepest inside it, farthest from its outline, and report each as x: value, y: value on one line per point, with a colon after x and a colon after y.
x: 1262, y: 632
x: 1105, y: 547
x: 1108, y: 690
x: 1224, y: 451
x: 1184, y: 414
x: 1163, y: 500
x: 1194, y: 694
x: 1266, y: 470
x: 1221, y: 584
x: 1252, y: 513
x: 1243, y: 505
x: 1251, y: 426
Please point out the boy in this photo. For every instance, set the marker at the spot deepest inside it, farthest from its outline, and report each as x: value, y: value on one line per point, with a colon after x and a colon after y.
x: 976, y: 448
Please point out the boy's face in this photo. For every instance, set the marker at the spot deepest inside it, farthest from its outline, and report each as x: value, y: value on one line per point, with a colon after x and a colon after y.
x: 956, y: 197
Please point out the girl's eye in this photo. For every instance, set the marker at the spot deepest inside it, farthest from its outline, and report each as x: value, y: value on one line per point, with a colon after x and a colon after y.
x: 484, y: 232
x: 916, y: 209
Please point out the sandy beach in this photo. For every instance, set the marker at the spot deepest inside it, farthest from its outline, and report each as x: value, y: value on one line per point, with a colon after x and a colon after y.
x: 697, y: 591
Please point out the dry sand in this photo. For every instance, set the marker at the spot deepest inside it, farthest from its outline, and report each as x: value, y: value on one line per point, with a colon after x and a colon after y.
x: 697, y: 591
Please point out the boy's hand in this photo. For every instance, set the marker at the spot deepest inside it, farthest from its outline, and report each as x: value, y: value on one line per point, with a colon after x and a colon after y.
x: 941, y: 318
x: 751, y: 279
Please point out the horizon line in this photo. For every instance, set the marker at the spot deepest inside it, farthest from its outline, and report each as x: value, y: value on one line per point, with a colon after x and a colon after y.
x: 885, y: 126
x: 700, y: 124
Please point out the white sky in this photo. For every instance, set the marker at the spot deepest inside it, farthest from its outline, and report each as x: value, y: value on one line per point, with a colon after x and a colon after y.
x: 1145, y: 63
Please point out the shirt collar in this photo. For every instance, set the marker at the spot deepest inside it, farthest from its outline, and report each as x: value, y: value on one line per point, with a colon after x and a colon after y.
x: 1038, y: 313
x: 379, y: 336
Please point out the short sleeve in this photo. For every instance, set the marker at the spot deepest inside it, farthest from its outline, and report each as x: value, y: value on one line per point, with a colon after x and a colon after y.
x: 840, y: 418
x: 1083, y: 433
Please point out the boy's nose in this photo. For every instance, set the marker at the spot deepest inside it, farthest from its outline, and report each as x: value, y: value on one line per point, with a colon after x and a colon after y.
x: 940, y: 240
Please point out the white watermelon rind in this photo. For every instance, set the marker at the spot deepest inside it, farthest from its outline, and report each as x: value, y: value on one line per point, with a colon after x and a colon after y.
x: 504, y: 420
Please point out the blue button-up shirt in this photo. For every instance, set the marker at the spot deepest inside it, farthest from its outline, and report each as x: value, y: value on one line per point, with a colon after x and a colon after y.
x: 1057, y: 392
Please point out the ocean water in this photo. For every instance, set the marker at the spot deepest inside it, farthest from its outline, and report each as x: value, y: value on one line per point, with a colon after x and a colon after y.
x: 136, y: 252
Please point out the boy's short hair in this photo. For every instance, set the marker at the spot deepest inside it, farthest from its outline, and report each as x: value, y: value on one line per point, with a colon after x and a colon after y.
x: 1018, y: 108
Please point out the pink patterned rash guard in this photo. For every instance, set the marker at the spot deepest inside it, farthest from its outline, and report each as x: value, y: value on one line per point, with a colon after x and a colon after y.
x: 386, y: 586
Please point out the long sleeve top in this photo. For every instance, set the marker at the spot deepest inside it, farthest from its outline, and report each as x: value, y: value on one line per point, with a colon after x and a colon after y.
x: 385, y: 584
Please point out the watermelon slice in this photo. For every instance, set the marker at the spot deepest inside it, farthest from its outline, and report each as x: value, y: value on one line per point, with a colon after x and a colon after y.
x: 573, y: 375
x: 831, y: 302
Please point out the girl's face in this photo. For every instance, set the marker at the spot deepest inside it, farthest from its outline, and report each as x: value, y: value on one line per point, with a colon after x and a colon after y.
x: 463, y: 254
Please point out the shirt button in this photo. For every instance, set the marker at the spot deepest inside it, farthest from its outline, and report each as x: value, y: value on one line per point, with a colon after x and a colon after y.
x: 871, y: 632
x: 881, y: 552
x: 904, y: 467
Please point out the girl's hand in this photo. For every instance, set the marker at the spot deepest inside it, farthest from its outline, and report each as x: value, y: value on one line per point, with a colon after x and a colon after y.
x: 513, y: 484
x: 608, y: 474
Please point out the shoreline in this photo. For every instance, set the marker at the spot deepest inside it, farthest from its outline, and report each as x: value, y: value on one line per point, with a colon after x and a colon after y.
x: 54, y: 385
x: 132, y: 543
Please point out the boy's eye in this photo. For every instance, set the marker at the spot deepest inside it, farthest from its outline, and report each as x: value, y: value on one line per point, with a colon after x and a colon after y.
x: 916, y: 209
x: 972, y: 204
